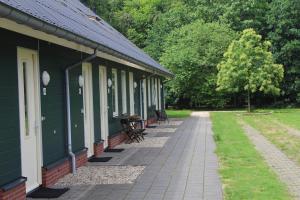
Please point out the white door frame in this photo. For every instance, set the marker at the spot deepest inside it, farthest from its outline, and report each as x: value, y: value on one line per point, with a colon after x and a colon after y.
x: 103, y: 104
x: 88, y: 108
x: 23, y: 54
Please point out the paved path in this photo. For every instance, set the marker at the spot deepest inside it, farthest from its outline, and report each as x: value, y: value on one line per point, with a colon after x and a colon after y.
x: 186, y: 167
x: 287, y: 170
x: 182, y: 167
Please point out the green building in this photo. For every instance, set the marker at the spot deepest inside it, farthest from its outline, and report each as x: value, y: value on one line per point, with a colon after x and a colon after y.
x: 67, y: 78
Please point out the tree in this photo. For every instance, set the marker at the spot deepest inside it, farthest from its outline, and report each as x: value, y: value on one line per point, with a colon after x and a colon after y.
x: 192, y: 53
x: 139, y: 16
x: 284, y: 25
x: 249, y: 66
x: 243, y: 14
x: 177, y: 16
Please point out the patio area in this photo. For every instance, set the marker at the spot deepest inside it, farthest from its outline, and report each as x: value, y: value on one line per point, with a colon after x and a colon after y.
x: 175, y: 161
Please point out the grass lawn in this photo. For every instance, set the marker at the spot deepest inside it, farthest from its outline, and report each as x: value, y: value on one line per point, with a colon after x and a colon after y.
x: 178, y: 113
x: 290, y: 117
x: 245, y: 175
x: 274, y: 128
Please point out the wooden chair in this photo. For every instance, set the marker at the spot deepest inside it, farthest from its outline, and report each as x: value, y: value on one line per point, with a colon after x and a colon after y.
x: 161, y: 116
x: 136, y: 125
x: 133, y: 133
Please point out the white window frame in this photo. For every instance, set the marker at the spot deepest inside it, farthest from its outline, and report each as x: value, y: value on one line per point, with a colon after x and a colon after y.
x: 124, y: 92
x: 115, y: 83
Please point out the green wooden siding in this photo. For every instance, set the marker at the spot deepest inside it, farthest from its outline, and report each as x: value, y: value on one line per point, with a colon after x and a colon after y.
x: 53, y: 59
x: 96, y: 102
x: 10, y: 159
x: 77, y: 119
x: 10, y: 152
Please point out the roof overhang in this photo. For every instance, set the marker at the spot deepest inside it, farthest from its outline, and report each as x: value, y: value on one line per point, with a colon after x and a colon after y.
x: 17, y: 21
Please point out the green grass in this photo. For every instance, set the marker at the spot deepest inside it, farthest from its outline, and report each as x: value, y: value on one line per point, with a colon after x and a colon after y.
x: 278, y: 133
x: 290, y: 117
x: 244, y: 173
x: 178, y: 113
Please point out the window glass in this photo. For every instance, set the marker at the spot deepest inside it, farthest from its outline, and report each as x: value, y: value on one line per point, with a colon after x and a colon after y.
x: 114, y: 88
x: 25, y: 99
x: 124, y: 92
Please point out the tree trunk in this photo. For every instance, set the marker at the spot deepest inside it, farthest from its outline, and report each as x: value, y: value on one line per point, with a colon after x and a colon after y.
x: 249, y: 103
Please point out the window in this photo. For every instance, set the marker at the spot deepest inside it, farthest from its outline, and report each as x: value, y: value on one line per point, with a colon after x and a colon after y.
x: 114, y: 88
x: 153, y: 92
x: 25, y: 80
x: 124, y: 92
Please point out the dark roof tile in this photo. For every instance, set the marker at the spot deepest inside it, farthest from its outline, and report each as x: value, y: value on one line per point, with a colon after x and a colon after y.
x: 73, y: 16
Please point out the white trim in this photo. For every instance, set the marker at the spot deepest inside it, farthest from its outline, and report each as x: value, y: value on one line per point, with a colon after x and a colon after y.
x: 37, y: 96
x: 103, y: 104
x: 131, y: 93
x: 156, y: 93
x: 115, y: 89
x: 26, y: 30
x: 124, y: 92
x: 145, y: 99
x: 149, y: 92
x: 88, y: 107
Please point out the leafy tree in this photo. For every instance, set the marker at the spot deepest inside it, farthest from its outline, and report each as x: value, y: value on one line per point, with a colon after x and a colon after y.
x: 207, y: 10
x: 243, y: 14
x: 192, y: 52
x: 284, y: 25
x: 177, y: 16
x: 139, y: 16
x: 249, y: 66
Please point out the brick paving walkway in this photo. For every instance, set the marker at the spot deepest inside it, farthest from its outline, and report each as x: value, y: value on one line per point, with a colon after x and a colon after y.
x: 287, y: 170
x: 184, y: 168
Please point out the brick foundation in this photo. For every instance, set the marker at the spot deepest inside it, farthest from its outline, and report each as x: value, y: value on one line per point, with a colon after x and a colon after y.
x: 117, y: 139
x: 151, y: 121
x: 98, y: 149
x: 16, y: 193
x: 52, y: 175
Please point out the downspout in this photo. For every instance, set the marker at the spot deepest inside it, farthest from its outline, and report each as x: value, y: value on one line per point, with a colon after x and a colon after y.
x: 67, y: 70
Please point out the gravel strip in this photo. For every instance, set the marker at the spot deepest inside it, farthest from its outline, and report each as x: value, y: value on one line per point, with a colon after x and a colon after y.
x: 97, y: 175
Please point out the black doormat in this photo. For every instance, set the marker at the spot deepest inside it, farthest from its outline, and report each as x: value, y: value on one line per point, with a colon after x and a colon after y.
x: 101, y: 159
x: 151, y: 126
x: 113, y: 150
x: 49, y: 193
